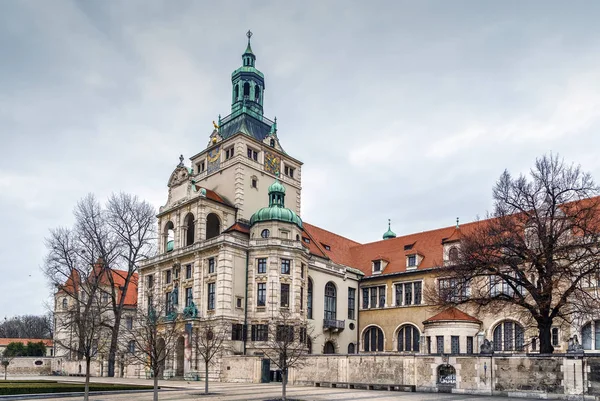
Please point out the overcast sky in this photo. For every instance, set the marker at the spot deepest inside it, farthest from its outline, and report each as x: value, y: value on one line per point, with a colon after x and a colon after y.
x: 401, y: 110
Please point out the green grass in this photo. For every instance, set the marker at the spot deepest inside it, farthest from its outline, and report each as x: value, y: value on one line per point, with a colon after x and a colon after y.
x: 13, y: 387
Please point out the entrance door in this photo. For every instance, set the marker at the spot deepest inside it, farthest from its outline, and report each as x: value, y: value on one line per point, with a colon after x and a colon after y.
x: 265, y: 371
x: 179, y: 356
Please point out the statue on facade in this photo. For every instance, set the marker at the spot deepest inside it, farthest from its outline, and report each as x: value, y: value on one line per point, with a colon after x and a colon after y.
x: 175, y: 296
x: 573, y: 345
x: 487, y: 347
x: 190, y: 312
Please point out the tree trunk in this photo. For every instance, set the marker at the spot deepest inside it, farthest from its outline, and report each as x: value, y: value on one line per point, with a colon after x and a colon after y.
x: 283, y: 384
x: 205, y: 377
x: 5, y: 367
x: 545, y: 336
x: 155, y: 397
x: 114, y: 343
x: 86, y: 393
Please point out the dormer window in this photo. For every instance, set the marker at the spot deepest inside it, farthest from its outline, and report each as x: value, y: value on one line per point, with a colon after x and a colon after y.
x: 376, y: 266
x: 453, y: 254
x: 327, y: 247
x: 408, y: 247
x: 411, y: 261
x: 305, y: 239
x: 229, y: 152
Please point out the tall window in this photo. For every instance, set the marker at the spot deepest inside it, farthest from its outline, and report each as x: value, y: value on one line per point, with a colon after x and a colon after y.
x: 131, y: 347
x: 188, y: 271
x: 377, y: 266
x: 374, y: 297
x: 262, y: 265
x: 285, y: 295
x: 261, y: 294
x: 351, y: 348
x: 211, y: 265
x: 285, y: 266
x: 65, y: 303
x: 309, y: 305
x: 455, y: 345
x: 351, y: 302
x: 439, y: 344
x: 211, y: 296
x: 168, y: 276
x: 408, y: 293
x: 509, y: 336
x: 408, y: 338
x: 301, y: 298
x: 129, y: 322
x: 365, y: 298
x: 237, y: 332
x: 150, y: 281
x: 454, y: 289
x: 555, y: 336
x: 469, y: 345
x: 500, y: 286
x: 590, y: 335
x: 373, y: 339
x: 330, y: 301
x: 189, y: 298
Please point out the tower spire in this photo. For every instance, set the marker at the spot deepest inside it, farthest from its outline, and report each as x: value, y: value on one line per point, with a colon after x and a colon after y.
x: 389, y: 234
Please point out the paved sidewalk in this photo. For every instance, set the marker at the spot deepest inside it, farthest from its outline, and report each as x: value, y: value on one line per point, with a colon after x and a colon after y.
x: 187, y: 391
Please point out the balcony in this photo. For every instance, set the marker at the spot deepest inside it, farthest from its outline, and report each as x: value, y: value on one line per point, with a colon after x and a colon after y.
x: 334, y: 325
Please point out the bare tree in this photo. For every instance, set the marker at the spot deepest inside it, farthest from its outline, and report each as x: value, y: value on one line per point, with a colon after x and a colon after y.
x: 209, y: 341
x: 287, y: 344
x: 78, y: 282
x: 5, y: 360
x: 26, y: 326
x: 151, y: 339
x: 537, y: 253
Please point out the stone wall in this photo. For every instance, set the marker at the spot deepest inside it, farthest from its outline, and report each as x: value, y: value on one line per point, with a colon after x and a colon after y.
x: 516, y: 375
x: 28, y: 366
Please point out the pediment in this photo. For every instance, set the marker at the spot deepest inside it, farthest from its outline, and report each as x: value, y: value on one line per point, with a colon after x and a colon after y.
x: 180, y: 175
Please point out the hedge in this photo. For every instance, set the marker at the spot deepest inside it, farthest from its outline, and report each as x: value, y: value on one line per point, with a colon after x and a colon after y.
x: 39, y: 387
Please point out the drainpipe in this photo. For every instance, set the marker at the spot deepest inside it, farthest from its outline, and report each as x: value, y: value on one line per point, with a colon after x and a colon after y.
x: 357, y: 308
x: 245, y: 332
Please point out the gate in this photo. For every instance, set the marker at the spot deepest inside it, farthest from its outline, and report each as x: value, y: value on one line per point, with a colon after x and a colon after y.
x: 265, y: 371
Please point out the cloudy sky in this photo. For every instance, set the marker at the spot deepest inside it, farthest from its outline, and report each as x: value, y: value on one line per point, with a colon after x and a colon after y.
x: 401, y: 110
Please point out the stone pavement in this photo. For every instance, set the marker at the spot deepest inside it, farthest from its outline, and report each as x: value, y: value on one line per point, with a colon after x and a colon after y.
x: 187, y: 391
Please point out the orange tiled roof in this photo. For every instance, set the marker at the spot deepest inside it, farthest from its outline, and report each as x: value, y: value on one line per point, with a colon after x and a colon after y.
x: 5, y: 341
x: 339, y: 247
x: 240, y: 227
x: 452, y: 314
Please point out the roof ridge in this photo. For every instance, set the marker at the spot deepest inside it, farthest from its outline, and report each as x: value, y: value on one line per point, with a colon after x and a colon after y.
x: 331, y: 232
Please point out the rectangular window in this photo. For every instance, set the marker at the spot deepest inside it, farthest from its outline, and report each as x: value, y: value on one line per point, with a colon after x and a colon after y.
x: 412, y: 260
x: 554, y: 336
x: 377, y: 266
x: 285, y: 295
x: 382, y: 296
x: 408, y: 294
x: 262, y: 265
x: 211, y: 265
x: 454, y: 345
x: 150, y: 281
x: 351, y: 302
x: 398, y: 294
x: 285, y: 266
x: 252, y: 154
x: 238, y: 302
x: 439, y: 344
x: 211, y: 296
x: 428, y: 341
x: 261, y: 294
x: 289, y: 171
x: 454, y: 289
x: 285, y: 333
x: 254, y: 183
x: 129, y: 322
x: 469, y: 345
x: 237, y: 332
x: 188, y: 271
x: 201, y: 167
x: 373, y: 297
x: 168, y: 303
x: 189, y: 298
x: 168, y: 276
x: 229, y: 153
x: 418, y: 292
x: 365, y: 298
x: 260, y: 332
x: 301, y: 298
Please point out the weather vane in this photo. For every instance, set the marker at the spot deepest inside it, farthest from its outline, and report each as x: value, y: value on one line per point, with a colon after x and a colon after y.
x: 249, y: 35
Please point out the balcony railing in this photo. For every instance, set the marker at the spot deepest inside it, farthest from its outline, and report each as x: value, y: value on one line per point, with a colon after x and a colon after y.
x: 333, y: 324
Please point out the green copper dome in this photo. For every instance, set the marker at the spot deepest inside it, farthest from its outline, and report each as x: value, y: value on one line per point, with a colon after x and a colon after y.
x: 276, y: 209
x: 389, y: 233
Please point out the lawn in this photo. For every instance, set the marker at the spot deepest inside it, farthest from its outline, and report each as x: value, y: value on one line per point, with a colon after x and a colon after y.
x: 12, y: 387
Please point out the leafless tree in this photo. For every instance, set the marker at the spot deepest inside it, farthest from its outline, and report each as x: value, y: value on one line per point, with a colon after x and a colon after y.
x: 287, y: 344
x: 78, y: 282
x: 537, y: 254
x: 152, y: 337
x: 209, y: 341
x: 5, y: 360
x: 27, y: 326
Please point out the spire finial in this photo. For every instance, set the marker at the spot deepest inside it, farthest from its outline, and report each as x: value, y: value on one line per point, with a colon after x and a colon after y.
x: 389, y: 224
x: 457, y: 222
x: 249, y: 35
x: 180, y: 161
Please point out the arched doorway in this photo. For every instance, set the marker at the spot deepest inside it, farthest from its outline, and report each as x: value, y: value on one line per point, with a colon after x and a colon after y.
x: 213, y: 226
x: 446, y: 379
x: 179, y: 356
x: 161, y: 349
x: 329, y: 348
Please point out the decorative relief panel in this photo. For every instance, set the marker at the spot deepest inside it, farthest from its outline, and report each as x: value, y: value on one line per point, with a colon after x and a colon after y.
x: 214, y: 160
x: 272, y: 163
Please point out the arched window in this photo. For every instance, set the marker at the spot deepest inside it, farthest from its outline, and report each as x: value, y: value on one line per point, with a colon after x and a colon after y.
x: 257, y: 93
x: 310, y: 298
x: 329, y: 348
x: 509, y: 336
x: 272, y: 143
x: 169, y: 236
x: 351, y: 348
x: 373, y: 339
x: 408, y: 338
x: 65, y: 303
x: 330, y: 302
x: 213, y: 226
x: 246, y: 89
x: 190, y: 228
x: 453, y: 254
x: 590, y: 335
x: 446, y: 374
x: 236, y: 92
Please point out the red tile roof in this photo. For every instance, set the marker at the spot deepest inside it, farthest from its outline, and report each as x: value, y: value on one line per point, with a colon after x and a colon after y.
x: 239, y: 227
x: 453, y: 315
x: 339, y: 247
x: 5, y: 341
